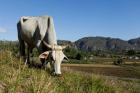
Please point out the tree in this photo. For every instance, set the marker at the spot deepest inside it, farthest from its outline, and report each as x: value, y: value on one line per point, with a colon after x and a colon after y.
x: 78, y: 56
x: 119, y: 61
x: 71, y: 52
x: 131, y: 52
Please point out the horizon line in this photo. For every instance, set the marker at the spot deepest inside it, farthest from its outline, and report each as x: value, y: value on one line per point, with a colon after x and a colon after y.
x: 82, y: 38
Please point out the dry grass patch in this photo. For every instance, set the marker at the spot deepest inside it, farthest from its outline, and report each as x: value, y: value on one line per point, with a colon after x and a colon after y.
x: 16, y: 77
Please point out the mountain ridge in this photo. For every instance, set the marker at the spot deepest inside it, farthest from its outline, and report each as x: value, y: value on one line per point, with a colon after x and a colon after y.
x: 105, y: 43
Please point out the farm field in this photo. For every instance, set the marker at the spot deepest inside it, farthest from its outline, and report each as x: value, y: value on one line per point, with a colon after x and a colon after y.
x: 126, y: 71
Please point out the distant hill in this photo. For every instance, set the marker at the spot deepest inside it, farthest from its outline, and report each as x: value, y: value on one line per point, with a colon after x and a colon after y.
x: 67, y: 43
x: 135, y: 43
x: 103, y: 43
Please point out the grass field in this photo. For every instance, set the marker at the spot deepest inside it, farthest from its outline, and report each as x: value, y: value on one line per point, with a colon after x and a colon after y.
x: 16, y: 77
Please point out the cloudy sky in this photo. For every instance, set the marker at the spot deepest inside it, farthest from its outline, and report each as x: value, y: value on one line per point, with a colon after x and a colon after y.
x: 75, y: 18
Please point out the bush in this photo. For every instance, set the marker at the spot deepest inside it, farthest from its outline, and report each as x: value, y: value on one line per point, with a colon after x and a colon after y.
x: 119, y: 61
x: 131, y: 52
x: 78, y: 56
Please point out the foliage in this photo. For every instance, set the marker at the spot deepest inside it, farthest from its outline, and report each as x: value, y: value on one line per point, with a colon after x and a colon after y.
x: 73, y: 53
x: 119, y: 61
x: 78, y: 56
x: 70, y: 52
x: 131, y: 52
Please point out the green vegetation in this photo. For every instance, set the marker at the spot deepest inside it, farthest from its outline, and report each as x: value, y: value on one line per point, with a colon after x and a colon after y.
x: 131, y: 52
x: 80, y: 56
x: 118, y: 61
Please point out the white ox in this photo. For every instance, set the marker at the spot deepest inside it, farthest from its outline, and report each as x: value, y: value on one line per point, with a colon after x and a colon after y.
x: 39, y: 32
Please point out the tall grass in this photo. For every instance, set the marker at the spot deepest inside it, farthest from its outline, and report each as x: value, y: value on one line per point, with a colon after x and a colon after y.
x: 16, y: 77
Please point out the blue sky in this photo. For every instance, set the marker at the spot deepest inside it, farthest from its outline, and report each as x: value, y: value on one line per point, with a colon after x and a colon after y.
x: 75, y: 19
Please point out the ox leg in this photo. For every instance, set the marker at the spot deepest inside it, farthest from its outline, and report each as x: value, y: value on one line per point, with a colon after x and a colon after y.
x: 22, y: 49
x: 31, y: 55
x: 42, y: 62
x: 28, y: 56
x: 52, y: 68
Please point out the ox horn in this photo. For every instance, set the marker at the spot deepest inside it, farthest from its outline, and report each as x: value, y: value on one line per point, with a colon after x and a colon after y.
x: 63, y: 47
x: 46, y: 44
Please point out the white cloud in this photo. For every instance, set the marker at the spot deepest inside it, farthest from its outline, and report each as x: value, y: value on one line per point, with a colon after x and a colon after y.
x: 3, y: 30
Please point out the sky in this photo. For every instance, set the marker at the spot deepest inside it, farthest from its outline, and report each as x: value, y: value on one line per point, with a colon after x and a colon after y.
x: 75, y: 19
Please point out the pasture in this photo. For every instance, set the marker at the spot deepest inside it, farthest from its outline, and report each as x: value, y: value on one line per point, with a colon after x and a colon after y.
x: 16, y: 77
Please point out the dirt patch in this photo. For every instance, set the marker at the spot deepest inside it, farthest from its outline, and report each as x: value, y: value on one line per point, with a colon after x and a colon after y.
x: 108, y: 70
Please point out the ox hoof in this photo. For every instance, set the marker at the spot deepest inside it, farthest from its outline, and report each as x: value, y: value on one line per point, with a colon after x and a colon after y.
x: 54, y: 74
x: 59, y: 75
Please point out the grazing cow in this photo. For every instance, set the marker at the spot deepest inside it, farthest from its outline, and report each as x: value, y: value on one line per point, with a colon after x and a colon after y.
x: 39, y: 32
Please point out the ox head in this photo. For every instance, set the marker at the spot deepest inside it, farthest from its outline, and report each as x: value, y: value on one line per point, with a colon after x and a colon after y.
x: 57, y: 56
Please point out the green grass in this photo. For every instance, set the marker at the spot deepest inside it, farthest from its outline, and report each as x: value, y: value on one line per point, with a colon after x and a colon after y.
x: 16, y: 77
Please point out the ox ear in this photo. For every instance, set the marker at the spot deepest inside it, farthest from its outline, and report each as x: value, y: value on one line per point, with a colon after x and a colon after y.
x: 66, y: 58
x: 44, y: 55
